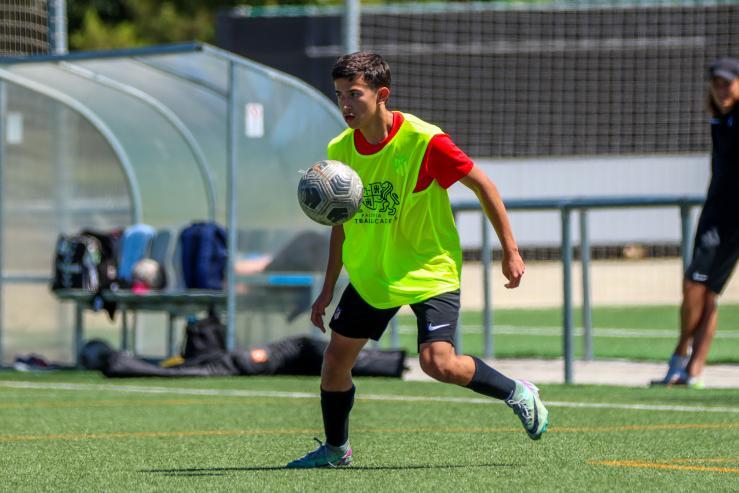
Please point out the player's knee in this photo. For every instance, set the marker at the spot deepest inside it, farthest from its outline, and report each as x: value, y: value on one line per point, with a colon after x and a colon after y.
x: 334, y: 361
x: 438, y: 368
x: 710, y: 302
x: 334, y: 371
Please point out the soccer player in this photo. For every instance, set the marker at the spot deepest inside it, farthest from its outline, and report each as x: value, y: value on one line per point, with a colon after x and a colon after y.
x: 716, y: 247
x: 402, y: 248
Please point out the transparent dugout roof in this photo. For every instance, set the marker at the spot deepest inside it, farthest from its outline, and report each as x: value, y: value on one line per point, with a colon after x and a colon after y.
x: 102, y: 140
x: 164, y: 111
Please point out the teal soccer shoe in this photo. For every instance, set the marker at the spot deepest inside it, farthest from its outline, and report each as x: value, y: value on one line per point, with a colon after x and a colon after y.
x: 527, y: 405
x: 324, y: 456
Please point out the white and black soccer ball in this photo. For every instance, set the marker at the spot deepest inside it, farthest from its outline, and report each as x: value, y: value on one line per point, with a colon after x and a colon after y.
x: 149, y: 273
x: 330, y: 192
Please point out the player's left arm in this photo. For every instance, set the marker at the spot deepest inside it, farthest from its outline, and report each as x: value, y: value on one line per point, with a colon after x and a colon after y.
x: 487, y: 193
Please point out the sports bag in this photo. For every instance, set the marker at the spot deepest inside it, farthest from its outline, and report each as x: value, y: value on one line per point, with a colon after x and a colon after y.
x: 203, y: 338
x: 122, y: 364
x: 109, y: 251
x: 303, y: 355
x: 134, y: 246
x: 203, y: 250
x: 76, y: 261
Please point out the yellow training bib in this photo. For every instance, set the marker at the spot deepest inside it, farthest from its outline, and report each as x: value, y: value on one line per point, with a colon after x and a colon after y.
x: 401, y: 247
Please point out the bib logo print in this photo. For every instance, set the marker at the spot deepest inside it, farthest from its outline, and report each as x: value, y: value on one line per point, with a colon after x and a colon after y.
x: 400, y: 162
x: 379, y: 205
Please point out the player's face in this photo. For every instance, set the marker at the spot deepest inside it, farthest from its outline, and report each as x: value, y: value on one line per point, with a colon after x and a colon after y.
x: 725, y: 93
x: 358, y: 102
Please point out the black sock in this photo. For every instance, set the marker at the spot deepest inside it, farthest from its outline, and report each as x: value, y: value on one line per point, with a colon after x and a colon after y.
x: 490, y: 382
x: 336, y: 407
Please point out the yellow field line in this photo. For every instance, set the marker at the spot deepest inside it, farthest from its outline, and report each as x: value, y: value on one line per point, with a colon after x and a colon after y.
x: 713, y: 459
x: 298, y: 431
x: 661, y: 465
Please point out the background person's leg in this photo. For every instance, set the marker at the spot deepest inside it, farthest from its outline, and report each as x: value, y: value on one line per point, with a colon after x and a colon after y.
x: 703, y: 335
x: 692, y: 313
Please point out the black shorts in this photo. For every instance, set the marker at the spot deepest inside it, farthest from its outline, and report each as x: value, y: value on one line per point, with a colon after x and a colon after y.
x: 715, y: 254
x: 436, y: 317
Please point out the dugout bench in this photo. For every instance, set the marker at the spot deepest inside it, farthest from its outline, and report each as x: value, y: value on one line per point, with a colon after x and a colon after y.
x: 265, y: 292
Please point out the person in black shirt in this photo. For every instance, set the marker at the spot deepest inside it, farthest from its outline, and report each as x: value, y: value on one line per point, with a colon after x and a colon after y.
x: 716, y: 247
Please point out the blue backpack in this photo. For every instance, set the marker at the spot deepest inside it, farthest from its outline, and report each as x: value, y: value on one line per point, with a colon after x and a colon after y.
x: 203, y: 250
x: 134, y: 246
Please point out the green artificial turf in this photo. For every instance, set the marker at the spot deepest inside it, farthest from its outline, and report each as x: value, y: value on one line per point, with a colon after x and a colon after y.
x: 77, y: 431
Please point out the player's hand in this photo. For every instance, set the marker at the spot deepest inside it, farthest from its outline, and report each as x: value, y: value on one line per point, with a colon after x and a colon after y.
x: 319, y: 309
x: 513, y: 269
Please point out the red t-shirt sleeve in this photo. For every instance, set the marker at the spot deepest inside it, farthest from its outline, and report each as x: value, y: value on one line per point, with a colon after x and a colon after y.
x: 444, y: 162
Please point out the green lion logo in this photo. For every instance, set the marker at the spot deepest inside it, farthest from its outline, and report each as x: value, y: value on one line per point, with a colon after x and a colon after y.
x: 379, y: 196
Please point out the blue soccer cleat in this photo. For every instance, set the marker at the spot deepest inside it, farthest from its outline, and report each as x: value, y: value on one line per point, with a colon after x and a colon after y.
x: 324, y: 456
x: 676, y: 370
x: 527, y: 405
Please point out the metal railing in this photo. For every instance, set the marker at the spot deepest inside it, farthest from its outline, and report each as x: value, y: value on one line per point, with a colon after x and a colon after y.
x: 566, y: 206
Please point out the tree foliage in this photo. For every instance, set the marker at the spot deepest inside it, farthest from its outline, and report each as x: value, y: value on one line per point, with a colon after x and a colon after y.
x: 103, y: 24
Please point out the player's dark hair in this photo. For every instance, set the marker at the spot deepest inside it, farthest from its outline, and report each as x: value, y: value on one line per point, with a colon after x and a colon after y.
x: 711, y: 106
x: 372, y: 67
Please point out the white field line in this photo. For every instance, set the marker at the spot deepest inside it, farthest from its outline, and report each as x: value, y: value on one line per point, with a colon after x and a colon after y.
x: 557, y: 331
x: 369, y: 397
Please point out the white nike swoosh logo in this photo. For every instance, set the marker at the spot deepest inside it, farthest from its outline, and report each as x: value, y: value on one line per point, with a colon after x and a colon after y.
x: 435, y: 327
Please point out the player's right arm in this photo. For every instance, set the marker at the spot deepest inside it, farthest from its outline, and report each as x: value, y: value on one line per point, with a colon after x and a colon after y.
x: 333, y: 269
x: 486, y: 191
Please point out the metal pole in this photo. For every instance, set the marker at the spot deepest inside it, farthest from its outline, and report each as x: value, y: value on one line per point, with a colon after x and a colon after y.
x: 124, y: 329
x: 686, y: 229
x: 57, y: 27
x: 487, y: 314
x: 171, y: 346
x: 79, y: 321
x: 63, y: 162
x: 352, y: 20
x: 567, y: 291
x: 2, y: 208
x: 231, y: 150
x: 587, y: 319
x: 394, y: 336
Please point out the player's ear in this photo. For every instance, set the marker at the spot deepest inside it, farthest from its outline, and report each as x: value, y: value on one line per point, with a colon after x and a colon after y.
x: 383, y: 94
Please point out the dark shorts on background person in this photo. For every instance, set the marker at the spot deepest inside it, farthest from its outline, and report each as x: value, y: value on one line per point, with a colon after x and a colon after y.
x: 715, y: 254
x: 436, y: 317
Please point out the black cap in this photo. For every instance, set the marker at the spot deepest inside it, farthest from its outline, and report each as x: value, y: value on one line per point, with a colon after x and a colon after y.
x: 726, y: 68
